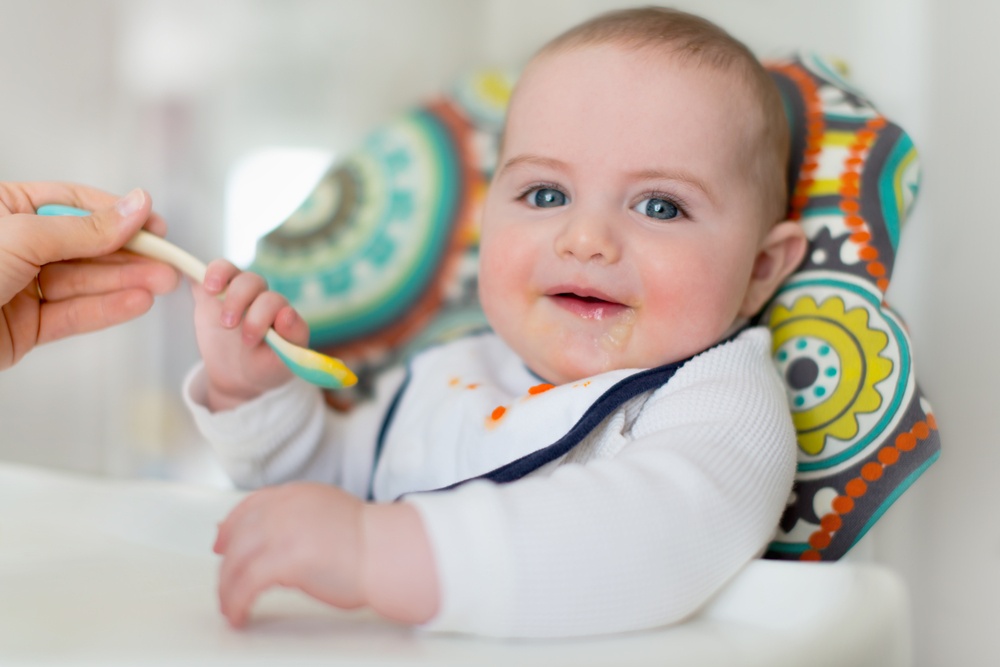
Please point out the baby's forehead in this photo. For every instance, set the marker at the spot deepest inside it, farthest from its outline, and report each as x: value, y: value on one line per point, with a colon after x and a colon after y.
x: 724, y: 96
x: 705, y: 94
x: 588, y: 63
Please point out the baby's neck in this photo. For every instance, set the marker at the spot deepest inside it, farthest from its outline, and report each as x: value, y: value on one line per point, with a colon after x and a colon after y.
x: 738, y: 324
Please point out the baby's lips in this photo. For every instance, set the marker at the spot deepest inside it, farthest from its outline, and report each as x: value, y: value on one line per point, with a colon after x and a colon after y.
x: 583, y: 293
x: 589, y: 308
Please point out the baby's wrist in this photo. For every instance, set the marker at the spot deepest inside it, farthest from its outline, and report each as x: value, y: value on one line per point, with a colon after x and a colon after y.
x: 219, y: 400
x: 398, y: 577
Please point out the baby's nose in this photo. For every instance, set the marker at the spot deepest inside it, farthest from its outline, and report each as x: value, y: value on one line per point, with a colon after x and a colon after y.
x: 588, y: 238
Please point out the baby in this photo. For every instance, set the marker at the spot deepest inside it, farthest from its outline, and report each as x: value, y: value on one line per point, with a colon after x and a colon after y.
x: 619, y: 445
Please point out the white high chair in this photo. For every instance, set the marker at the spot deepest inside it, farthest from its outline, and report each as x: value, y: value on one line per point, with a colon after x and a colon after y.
x: 120, y: 573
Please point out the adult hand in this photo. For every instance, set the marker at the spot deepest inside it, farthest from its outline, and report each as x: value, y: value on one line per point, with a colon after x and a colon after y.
x: 86, y: 282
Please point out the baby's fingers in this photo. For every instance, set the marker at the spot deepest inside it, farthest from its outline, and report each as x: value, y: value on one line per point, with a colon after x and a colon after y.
x: 262, y: 315
x: 290, y: 326
x: 248, y: 572
x: 217, y: 275
x: 241, y: 542
x: 245, y: 516
x: 240, y: 294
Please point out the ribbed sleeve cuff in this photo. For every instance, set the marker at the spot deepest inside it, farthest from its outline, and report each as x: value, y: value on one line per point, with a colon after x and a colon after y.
x: 257, y: 428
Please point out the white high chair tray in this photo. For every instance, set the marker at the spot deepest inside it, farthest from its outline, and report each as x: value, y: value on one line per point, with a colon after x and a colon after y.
x: 104, y: 572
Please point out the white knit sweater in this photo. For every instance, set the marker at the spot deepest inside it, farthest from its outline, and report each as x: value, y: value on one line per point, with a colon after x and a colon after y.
x: 638, y: 526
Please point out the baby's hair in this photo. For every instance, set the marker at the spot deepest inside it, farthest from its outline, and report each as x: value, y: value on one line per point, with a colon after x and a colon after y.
x: 700, y: 42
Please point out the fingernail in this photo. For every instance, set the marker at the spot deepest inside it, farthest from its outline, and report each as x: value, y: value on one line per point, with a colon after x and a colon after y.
x: 229, y: 319
x: 212, y: 284
x: 131, y: 202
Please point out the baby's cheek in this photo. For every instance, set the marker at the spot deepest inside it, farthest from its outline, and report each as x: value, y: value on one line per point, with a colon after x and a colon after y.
x: 682, y: 318
x: 490, y: 285
x: 502, y: 303
x: 505, y: 265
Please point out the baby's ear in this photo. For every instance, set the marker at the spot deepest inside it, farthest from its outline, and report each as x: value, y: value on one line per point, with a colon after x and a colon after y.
x: 779, y: 254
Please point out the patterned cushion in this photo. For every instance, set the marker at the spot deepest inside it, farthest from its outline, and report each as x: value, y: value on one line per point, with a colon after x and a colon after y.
x: 865, y: 431
x: 381, y: 260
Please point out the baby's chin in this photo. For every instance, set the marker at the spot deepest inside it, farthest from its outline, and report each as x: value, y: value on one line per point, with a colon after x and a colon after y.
x: 568, y: 370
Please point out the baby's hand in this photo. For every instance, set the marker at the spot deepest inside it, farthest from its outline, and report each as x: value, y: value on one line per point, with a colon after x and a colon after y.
x: 330, y: 545
x: 306, y: 536
x: 230, y: 330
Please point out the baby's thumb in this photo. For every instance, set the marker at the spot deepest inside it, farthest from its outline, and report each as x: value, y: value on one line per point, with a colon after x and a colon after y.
x: 99, y: 233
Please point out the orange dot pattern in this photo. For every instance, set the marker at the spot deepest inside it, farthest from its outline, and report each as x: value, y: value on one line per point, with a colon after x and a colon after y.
x: 850, y: 191
x: 540, y: 388
x: 850, y: 177
x: 815, y: 128
x: 857, y: 487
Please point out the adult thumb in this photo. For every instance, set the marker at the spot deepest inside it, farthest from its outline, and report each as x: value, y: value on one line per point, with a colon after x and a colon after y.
x: 102, y: 232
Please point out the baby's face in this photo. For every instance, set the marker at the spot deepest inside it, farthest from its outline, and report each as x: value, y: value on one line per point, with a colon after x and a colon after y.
x: 621, y: 227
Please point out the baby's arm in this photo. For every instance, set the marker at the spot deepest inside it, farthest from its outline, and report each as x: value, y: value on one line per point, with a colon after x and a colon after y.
x: 635, y: 541
x: 239, y: 365
x: 330, y: 545
x: 618, y: 545
x: 639, y: 540
x: 289, y: 434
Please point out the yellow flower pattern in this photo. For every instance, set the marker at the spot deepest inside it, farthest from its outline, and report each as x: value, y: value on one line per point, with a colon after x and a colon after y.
x: 829, y: 357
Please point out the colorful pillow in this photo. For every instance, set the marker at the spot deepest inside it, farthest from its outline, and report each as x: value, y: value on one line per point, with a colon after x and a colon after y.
x: 381, y: 260
x: 865, y: 430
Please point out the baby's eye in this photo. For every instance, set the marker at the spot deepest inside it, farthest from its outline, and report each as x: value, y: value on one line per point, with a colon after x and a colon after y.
x: 545, y: 197
x: 656, y: 207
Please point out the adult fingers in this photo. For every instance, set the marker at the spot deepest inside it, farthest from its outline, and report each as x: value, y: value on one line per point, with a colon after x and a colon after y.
x: 44, y: 239
x: 60, y: 319
x: 29, y: 197
x: 64, y: 280
x: 19, y: 318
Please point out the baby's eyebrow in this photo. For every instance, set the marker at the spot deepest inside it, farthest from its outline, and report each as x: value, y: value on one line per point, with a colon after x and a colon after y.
x: 673, y: 175
x: 537, y: 160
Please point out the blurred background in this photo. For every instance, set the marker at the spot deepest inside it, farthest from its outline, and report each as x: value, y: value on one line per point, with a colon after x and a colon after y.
x: 228, y: 111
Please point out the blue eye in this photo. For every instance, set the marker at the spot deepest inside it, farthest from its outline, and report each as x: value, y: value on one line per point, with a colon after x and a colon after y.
x: 545, y: 198
x: 656, y: 207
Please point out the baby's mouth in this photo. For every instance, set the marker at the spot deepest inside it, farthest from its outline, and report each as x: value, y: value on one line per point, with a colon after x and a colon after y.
x: 588, y: 306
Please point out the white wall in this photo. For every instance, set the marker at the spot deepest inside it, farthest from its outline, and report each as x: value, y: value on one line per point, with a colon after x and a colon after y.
x: 960, y: 534
x: 69, y: 405
x: 168, y: 93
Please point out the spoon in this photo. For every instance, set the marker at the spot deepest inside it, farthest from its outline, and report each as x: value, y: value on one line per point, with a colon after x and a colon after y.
x: 309, y: 365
